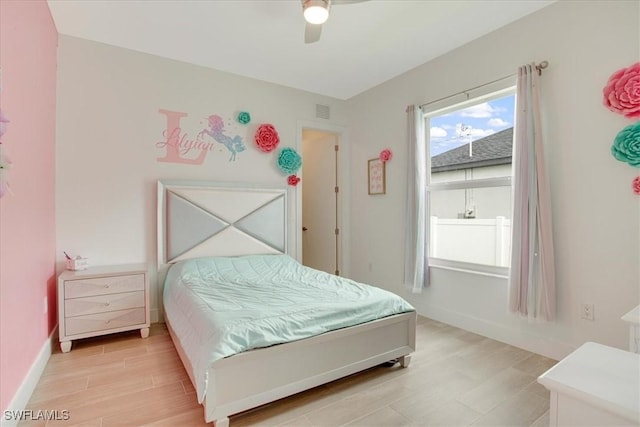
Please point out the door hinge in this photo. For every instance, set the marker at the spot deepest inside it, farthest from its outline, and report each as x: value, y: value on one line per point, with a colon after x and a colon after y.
x: 337, y: 231
x: 337, y: 189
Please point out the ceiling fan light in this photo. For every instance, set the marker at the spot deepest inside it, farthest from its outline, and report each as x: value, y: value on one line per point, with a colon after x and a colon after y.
x: 316, y: 11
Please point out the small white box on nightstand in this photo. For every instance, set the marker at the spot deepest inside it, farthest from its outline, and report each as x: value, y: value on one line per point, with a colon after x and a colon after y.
x: 77, y: 264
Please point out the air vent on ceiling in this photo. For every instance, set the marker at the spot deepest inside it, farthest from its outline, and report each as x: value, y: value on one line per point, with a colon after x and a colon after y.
x: 322, y: 111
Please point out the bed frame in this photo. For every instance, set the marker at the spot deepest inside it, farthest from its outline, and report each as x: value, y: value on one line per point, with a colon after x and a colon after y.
x: 212, y: 219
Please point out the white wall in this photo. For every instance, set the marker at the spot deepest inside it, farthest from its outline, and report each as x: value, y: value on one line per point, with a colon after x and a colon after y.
x: 108, y: 124
x: 596, y: 259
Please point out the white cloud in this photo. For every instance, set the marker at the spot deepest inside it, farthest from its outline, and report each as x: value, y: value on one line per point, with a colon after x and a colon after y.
x: 497, y: 122
x: 437, y: 132
x: 481, y: 133
x: 480, y: 111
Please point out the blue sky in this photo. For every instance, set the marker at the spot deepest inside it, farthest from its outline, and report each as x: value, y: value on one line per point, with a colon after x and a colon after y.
x: 452, y: 130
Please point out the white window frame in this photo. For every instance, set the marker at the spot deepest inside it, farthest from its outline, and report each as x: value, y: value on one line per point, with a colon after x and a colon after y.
x: 488, y: 92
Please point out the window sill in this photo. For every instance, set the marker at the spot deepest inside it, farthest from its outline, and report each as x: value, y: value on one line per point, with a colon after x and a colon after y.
x: 470, y: 268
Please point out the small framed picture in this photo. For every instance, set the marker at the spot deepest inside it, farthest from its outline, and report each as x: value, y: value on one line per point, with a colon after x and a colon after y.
x: 376, y: 177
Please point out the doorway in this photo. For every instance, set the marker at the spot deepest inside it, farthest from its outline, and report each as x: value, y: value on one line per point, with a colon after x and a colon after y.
x: 321, y: 238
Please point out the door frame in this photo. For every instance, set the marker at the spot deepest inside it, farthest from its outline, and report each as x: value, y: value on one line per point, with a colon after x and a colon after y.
x: 344, y: 195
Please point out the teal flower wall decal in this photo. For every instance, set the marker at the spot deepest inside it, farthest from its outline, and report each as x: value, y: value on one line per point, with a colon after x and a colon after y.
x: 289, y: 161
x: 244, y: 117
x: 626, y: 145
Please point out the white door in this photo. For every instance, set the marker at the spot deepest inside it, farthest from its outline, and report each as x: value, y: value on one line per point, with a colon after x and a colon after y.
x: 320, y: 243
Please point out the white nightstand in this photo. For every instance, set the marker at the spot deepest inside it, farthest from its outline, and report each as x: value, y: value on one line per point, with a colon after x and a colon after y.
x: 633, y: 318
x: 596, y: 385
x: 102, y: 300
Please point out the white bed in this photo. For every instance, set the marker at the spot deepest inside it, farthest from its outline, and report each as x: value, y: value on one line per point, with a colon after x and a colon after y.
x: 200, y: 219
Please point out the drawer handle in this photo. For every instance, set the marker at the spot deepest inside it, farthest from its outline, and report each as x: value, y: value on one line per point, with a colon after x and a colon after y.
x: 107, y: 321
x: 106, y: 286
x: 106, y: 304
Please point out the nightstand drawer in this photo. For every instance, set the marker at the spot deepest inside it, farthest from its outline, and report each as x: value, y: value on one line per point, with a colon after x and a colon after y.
x: 103, y: 285
x: 103, y: 303
x: 103, y: 321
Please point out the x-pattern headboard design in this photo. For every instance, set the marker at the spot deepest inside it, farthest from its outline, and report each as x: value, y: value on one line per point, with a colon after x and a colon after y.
x: 197, y: 219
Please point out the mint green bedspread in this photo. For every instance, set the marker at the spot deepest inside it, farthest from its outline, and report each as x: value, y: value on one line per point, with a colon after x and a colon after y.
x: 222, y: 306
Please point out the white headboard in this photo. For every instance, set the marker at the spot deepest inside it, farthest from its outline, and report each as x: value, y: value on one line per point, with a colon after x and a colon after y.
x: 199, y: 218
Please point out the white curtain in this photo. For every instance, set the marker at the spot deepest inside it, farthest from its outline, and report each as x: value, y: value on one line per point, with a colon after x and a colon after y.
x: 532, y: 287
x: 416, y: 266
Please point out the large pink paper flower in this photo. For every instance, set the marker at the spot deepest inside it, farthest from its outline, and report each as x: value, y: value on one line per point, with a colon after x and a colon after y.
x: 622, y: 92
x: 267, y: 138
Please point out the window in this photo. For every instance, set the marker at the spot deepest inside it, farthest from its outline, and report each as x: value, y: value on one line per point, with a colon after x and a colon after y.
x: 469, y: 153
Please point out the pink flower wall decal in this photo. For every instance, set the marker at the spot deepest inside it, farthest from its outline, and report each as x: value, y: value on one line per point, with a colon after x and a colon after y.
x: 293, y: 180
x: 267, y: 138
x: 385, y: 155
x: 636, y: 185
x: 622, y: 92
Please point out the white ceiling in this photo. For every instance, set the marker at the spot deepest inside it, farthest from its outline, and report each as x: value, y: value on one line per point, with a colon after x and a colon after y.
x: 362, y: 44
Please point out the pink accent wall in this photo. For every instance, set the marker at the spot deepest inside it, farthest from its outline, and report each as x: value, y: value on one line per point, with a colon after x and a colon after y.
x: 28, y: 51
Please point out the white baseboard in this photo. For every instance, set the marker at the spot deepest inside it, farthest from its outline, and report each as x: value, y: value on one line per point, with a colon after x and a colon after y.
x: 526, y: 340
x: 155, y: 315
x: 24, y: 392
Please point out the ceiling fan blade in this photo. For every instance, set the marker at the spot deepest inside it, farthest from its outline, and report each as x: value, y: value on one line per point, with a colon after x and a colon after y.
x: 312, y: 33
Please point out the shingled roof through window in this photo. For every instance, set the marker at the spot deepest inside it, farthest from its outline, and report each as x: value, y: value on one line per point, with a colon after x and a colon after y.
x: 495, y: 149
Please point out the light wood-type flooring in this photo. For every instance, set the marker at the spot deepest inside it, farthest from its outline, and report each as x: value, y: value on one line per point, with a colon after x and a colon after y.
x: 456, y: 378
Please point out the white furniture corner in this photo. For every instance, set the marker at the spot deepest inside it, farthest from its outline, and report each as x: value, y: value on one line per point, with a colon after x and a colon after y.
x: 596, y: 385
x: 633, y: 318
x: 102, y: 300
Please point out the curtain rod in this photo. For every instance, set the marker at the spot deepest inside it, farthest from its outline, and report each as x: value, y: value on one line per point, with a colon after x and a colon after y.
x: 541, y: 66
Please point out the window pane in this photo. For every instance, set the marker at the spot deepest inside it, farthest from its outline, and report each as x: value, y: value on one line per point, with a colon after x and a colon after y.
x: 472, y: 142
x: 471, y: 225
x: 480, y: 203
x: 469, y: 144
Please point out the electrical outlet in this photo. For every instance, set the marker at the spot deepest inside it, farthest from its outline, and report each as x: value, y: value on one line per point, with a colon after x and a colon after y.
x: 370, y: 267
x: 588, y: 312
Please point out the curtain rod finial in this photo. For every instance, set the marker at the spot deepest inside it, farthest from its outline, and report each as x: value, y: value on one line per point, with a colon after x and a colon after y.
x: 541, y: 66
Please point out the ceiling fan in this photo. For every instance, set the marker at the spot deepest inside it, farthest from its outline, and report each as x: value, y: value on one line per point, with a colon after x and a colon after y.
x: 316, y: 12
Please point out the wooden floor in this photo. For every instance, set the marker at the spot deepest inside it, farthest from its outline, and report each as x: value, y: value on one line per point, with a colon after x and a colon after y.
x: 456, y: 378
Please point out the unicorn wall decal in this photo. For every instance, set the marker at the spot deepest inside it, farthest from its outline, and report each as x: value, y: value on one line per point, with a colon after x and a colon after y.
x: 215, y: 130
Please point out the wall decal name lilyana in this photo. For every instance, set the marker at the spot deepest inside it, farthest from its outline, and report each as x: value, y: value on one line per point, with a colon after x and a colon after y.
x: 212, y: 133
